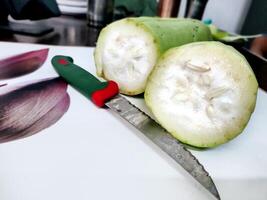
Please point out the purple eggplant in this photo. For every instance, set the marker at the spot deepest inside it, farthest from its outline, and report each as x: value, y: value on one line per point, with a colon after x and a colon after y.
x: 22, y: 64
x: 26, y: 110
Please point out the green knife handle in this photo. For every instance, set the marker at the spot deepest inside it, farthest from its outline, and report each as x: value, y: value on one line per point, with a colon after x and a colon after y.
x: 99, y: 92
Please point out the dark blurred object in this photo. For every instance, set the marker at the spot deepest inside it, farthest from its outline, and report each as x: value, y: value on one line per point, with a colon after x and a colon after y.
x: 25, y: 29
x: 30, y: 9
x: 27, y: 9
x: 3, y: 12
x: 134, y: 8
x: 256, y: 20
x: 195, y: 8
x: 258, y: 64
x: 259, y: 46
x: 68, y: 31
x: 168, y: 8
x: 100, y: 12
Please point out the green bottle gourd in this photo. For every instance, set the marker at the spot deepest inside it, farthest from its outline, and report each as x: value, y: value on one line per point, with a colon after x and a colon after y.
x: 127, y: 50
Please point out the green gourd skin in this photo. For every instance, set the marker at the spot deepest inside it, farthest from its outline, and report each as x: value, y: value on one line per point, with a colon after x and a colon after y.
x: 170, y: 32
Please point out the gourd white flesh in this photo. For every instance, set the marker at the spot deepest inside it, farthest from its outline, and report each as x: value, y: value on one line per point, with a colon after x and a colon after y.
x: 127, y: 56
x: 128, y: 49
x: 203, y: 93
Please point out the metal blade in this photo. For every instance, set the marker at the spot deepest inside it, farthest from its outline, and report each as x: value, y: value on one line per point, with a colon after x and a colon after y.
x: 164, y: 140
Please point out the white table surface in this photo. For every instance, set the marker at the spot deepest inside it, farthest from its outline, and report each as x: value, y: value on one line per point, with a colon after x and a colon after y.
x: 91, y: 154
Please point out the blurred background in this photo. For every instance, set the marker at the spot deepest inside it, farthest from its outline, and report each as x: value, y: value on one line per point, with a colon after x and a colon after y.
x: 78, y: 22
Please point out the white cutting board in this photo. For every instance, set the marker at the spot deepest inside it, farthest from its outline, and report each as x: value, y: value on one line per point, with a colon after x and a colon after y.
x: 92, y: 154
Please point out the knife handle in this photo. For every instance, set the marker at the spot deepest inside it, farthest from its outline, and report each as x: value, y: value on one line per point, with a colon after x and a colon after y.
x: 98, y: 92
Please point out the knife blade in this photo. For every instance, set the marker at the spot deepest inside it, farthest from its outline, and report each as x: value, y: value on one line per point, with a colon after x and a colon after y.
x: 107, y: 94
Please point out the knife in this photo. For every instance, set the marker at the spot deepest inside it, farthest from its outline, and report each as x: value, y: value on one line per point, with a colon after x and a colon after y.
x: 107, y: 94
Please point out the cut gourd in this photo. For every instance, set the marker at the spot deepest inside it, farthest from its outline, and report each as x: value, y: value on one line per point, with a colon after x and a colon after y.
x: 202, y: 93
x: 128, y: 49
